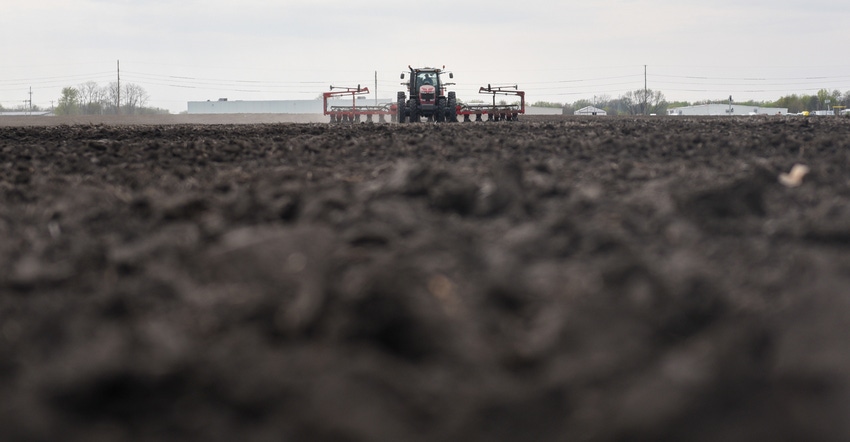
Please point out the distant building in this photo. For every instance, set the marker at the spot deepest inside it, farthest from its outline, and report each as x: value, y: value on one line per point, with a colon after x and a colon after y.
x: 590, y: 110
x: 726, y: 109
x: 538, y: 110
x: 26, y: 113
x: 225, y: 106
x: 825, y: 113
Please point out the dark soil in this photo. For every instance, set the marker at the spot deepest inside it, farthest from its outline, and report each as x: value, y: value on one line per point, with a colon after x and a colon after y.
x: 580, y: 279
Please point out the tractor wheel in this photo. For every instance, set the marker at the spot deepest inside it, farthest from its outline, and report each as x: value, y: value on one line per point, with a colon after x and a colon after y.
x: 401, y: 107
x: 451, y: 112
x: 440, y: 112
x: 413, y: 112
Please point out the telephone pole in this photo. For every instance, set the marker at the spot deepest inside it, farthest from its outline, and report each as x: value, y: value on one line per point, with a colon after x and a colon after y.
x: 118, y: 104
x: 645, y: 93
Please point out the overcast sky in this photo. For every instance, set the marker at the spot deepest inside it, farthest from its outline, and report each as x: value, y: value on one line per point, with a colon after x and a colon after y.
x: 196, y: 50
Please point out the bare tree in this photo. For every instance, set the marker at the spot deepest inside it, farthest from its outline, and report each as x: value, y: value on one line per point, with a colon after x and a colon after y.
x: 134, y: 97
x: 657, y: 103
x: 92, y: 98
x: 643, y: 102
x: 112, y: 96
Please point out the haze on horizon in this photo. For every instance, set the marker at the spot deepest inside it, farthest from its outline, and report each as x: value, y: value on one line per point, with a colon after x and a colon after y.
x: 556, y: 51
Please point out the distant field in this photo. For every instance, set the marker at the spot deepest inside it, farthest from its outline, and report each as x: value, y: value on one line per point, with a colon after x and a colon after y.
x: 192, y: 119
x: 162, y: 119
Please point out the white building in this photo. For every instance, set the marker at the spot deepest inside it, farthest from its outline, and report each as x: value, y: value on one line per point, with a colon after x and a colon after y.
x: 26, y: 113
x: 726, y: 109
x: 590, y: 110
x: 224, y: 106
x: 536, y: 110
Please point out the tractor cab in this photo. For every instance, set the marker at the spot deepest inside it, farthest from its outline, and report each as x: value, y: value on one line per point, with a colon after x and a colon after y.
x: 427, y: 78
x: 427, y: 88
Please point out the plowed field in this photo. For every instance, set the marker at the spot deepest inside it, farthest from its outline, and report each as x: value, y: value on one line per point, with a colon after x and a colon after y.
x: 563, y: 279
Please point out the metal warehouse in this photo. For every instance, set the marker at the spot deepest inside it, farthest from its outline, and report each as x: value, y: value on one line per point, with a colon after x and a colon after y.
x: 726, y: 109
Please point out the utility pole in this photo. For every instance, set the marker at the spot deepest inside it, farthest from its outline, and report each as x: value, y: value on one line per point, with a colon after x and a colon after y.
x: 376, y: 88
x: 118, y: 104
x: 30, y: 101
x: 645, y: 93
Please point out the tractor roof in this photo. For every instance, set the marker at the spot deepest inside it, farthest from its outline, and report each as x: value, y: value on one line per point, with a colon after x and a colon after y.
x: 426, y: 69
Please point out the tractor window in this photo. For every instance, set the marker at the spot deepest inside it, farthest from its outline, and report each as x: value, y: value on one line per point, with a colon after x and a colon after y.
x: 427, y: 78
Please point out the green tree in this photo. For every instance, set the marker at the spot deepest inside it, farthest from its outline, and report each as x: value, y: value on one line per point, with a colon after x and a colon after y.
x: 823, y: 95
x: 69, y: 102
x: 580, y: 104
x: 673, y: 104
x: 617, y: 106
x: 810, y: 102
x: 547, y: 104
x: 793, y: 102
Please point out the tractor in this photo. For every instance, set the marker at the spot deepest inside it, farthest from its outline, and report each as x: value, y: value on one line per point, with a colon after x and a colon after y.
x: 428, y: 97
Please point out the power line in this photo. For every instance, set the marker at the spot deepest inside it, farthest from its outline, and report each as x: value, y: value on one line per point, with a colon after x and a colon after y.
x: 51, y: 81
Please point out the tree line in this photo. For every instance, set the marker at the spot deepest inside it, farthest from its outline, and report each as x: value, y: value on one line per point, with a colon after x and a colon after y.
x: 646, y: 102
x: 91, y: 98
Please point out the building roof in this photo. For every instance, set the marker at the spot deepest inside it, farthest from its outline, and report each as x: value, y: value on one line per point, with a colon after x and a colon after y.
x: 590, y: 110
x: 24, y: 113
x: 726, y: 109
x: 726, y: 105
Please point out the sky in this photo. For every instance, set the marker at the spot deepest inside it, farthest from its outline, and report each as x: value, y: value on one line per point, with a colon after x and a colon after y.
x: 555, y: 50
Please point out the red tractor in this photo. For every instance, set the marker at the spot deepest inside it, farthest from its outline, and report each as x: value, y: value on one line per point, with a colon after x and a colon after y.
x: 428, y: 97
